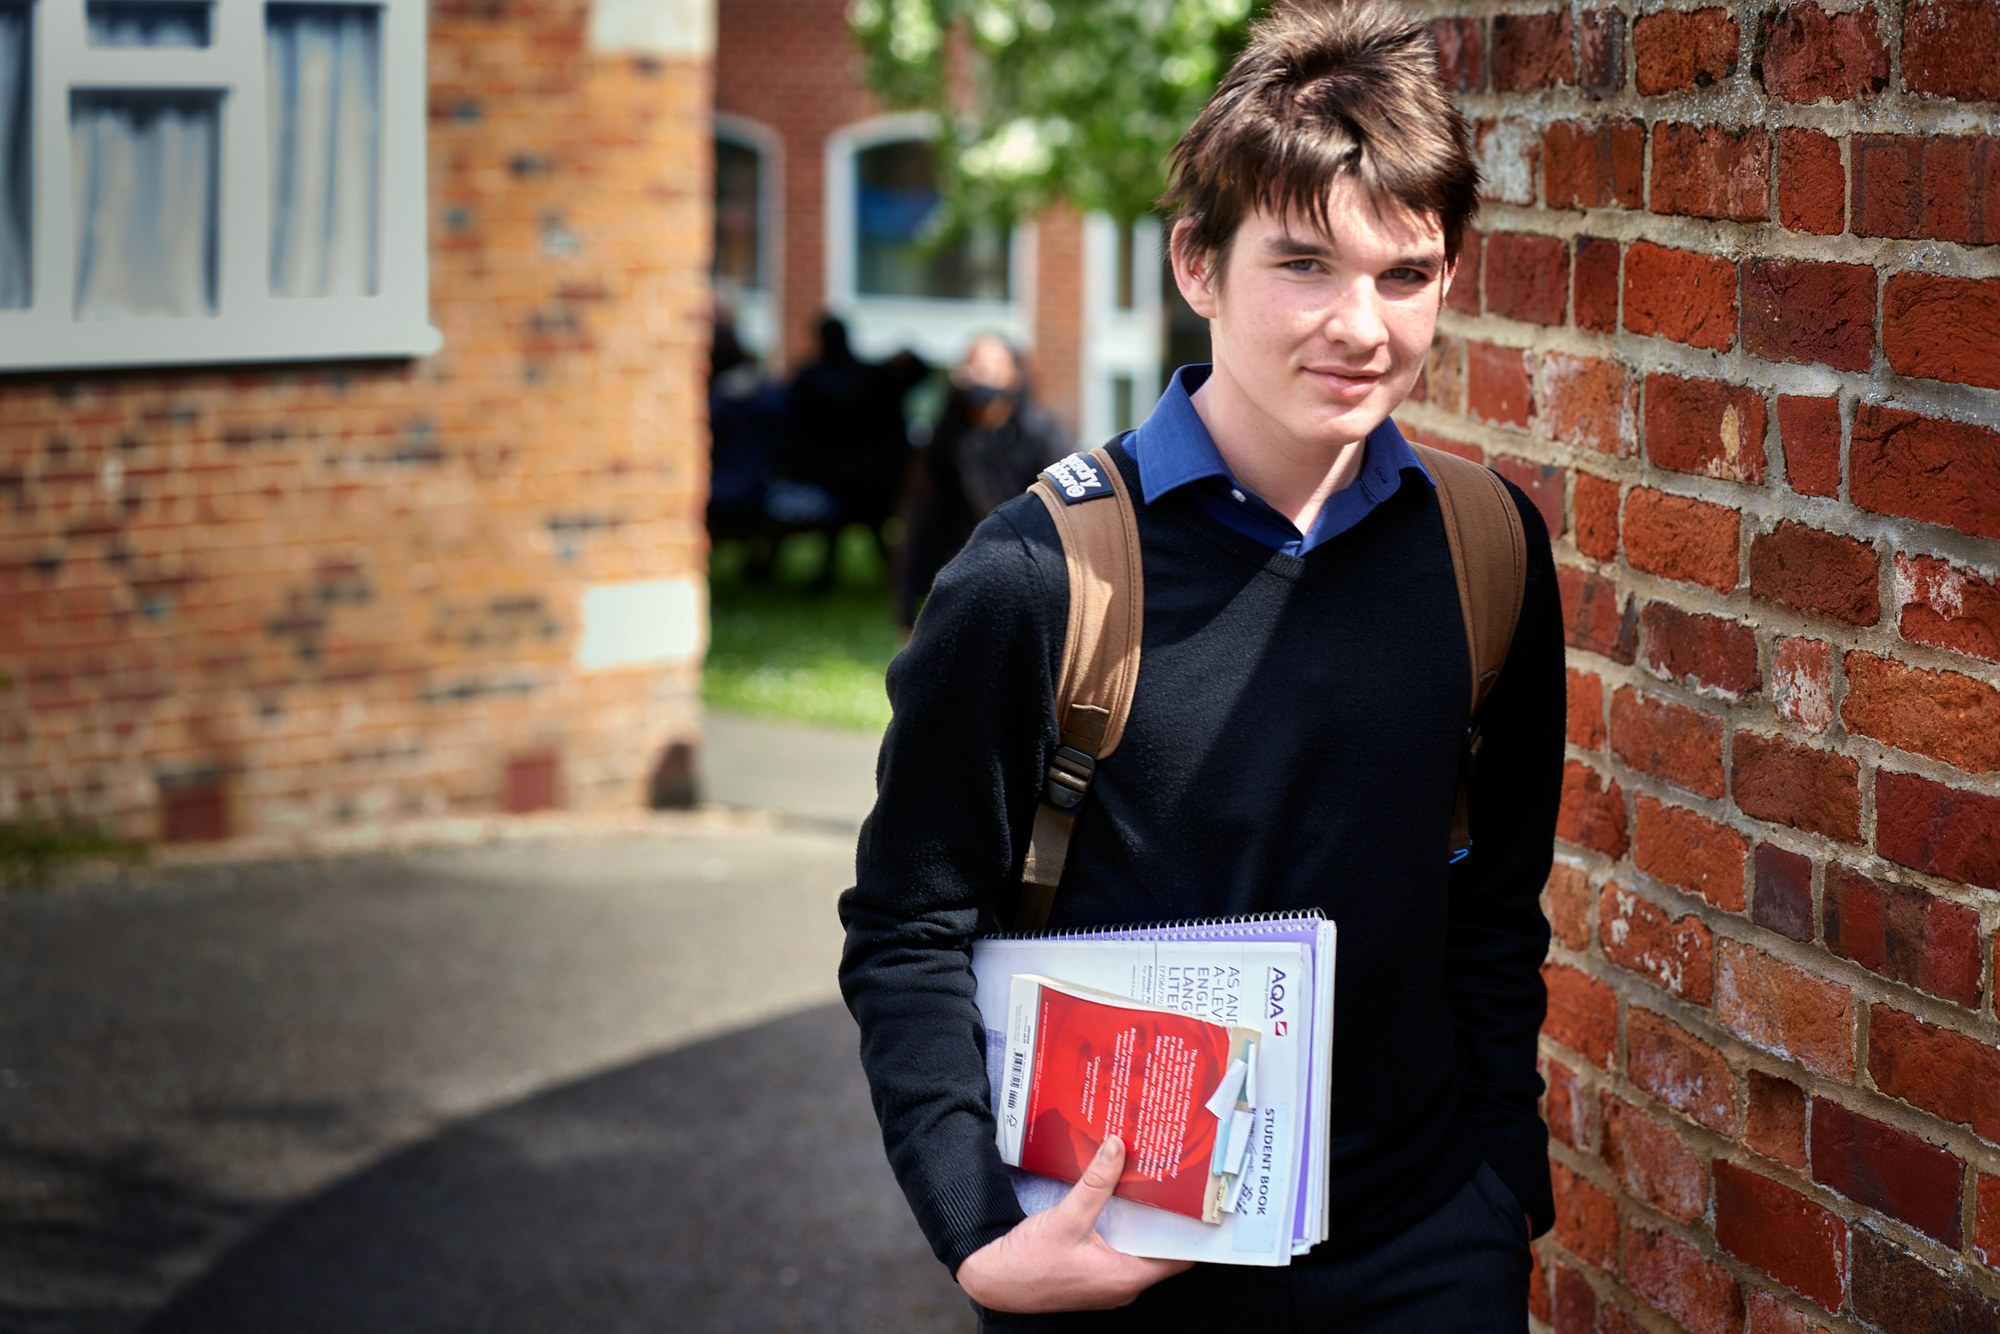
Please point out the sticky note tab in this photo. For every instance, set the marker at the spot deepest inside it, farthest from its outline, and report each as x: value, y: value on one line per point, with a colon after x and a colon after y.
x: 1223, y: 1101
x: 1240, y: 1126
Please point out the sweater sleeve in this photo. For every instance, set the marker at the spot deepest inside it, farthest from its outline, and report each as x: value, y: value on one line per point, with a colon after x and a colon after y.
x: 1499, y: 935
x: 939, y: 860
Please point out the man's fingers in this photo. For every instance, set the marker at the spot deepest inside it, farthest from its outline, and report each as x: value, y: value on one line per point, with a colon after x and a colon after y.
x: 1086, y: 1198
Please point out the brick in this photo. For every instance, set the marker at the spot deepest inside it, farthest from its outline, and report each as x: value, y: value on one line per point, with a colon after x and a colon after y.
x: 1497, y: 387
x: 1812, y: 183
x: 1712, y: 654
x: 1815, y: 570
x: 1538, y: 1286
x: 1509, y: 153
x: 1809, y: 54
x: 1942, y: 472
x: 1593, y: 813
x: 1941, y: 603
x: 1532, y: 51
x: 1443, y: 380
x: 1782, y: 897
x: 1594, y: 502
x: 1672, y: 741
x: 1586, y: 1218
x: 1986, y: 1221
x: 1590, y: 403
x: 1586, y: 709
x: 1816, y: 791
x: 1711, y: 172
x: 1945, y: 1073
x: 1527, y: 277
x: 1464, y: 294
x: 1764, y: 1223
x: 1810, y: 313
x: 1690, y: 852
x: 1943, y: 328
x: 1675, y: 50
x: 1595, y: 618
x: 1600, y: 48
x: 1944, y: 715
x: 1594, y: 164
x: 1680, y: 538
x: 1942, y: 186
x: 1568, y: 1111
x: 1680, y: 1070
x: 1568, y: 897
x: 1895, y: 1290
x: 1672, y: 1276
x: 1675, y: 952
x: 1542, y: 483
x: 1930, y: 827
x: 1680, y: 295
x: 1574, y: 1303
x: 1461, y: 46
x: 1583, y: 1013
x: 1653, y: 1162
x: 1766, y: 1313
x: 1903, y: 933
x: 1612, y: 1320
x: 1777, y: 1122
x: 1888, y: 1170
x: 1802, y: 682
x: 1705, y: 427
x: 1809, y: 429
x: 1594, y: 302
x: 1948, y: 47
x: 1784, y: 1010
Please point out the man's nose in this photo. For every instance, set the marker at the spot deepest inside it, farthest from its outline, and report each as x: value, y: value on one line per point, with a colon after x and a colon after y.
x: 1355, y: 318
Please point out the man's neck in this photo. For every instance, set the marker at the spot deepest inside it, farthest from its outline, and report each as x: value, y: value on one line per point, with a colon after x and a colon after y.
x: 1292, y: 477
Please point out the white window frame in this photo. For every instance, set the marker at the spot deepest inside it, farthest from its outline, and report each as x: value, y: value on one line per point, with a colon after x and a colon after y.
x: 758, y: 310
x: 1120, y: 343
x: 250, y: 324
x: 935, y: 328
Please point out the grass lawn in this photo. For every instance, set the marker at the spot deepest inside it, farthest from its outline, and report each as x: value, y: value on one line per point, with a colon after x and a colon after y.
x: 777, y: 650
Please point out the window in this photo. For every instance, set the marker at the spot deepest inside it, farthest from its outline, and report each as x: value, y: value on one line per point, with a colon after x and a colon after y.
x: 183, y: 181
x: 896, y: 286
x: 747, y: 222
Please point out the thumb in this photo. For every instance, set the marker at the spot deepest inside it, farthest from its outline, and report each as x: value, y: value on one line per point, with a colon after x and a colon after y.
x: 1087, y: 1197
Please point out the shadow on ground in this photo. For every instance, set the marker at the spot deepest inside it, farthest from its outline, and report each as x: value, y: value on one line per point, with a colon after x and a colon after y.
x: 735, y: 1184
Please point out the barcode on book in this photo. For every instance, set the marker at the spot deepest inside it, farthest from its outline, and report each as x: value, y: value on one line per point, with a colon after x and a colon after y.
x: 1017, y: 1076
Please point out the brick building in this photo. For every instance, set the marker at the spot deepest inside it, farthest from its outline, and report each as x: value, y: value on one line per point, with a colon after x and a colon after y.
x: 821, y: 193
x: 265, y: 572
x: 1734, y: 321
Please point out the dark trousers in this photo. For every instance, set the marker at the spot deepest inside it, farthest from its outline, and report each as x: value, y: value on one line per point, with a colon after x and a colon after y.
x: 1463, y: 1269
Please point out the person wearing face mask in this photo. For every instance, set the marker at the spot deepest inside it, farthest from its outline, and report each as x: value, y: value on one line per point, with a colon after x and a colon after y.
x: 991, y: 441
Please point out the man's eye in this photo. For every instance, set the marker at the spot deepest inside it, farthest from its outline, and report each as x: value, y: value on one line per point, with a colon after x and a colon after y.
x: 1300, y: 265
x: 1404, y: 275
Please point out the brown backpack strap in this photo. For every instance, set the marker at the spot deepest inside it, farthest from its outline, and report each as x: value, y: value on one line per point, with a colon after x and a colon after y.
x: 1094, y: 517
x: 1489, y: 557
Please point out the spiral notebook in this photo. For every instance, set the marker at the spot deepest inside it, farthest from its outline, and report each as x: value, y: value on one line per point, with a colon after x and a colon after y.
x: 1272, y: 972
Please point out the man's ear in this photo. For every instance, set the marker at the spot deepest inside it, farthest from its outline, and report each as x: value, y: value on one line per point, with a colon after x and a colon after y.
x: 1444, y: 287
x: 1193, y: 272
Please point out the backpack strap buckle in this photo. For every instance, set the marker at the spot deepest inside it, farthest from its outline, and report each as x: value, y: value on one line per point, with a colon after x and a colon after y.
x: 1067, y: 781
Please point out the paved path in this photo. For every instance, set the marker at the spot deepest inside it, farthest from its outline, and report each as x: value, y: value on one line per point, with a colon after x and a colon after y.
x: 577, y: 1076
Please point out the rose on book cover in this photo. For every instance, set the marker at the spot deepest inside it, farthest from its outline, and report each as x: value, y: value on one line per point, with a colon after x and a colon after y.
x: 1088, y: 1065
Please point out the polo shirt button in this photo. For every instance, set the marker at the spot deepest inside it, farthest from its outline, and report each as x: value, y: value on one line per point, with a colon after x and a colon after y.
x: 1237, y: 496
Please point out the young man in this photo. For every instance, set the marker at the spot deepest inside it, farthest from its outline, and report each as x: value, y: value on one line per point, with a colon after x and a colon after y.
x: 1294, y: 740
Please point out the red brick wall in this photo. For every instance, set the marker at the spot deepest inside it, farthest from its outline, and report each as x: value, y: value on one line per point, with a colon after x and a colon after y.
x: 273, y: 601
x: 1734, y: 321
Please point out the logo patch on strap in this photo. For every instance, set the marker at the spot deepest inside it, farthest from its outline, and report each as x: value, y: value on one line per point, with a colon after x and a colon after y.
x: 1077, y: 479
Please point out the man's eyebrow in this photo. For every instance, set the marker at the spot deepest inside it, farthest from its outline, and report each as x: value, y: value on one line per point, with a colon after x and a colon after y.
x: 1312, y: 247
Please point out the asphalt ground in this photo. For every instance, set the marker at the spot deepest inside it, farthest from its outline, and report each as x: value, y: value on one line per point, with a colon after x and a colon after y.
x: 545, y: 1074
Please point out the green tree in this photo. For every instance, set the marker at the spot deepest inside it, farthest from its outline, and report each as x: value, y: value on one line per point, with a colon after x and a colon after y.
x: 1045, y: 100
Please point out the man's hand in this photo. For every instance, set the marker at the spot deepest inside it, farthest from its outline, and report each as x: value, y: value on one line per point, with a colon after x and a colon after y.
x: 1055, y: 1261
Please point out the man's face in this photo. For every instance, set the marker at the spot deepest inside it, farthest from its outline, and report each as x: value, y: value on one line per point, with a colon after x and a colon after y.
x: 1317, y: 336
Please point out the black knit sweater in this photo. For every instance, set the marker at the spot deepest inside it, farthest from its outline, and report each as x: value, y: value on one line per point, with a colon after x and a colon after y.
x: 1293, y: 744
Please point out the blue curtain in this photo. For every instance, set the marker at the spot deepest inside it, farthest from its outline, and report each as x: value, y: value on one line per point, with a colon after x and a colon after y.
x: 16, y: 202
x: 324, y: 82
x: 146, y: 213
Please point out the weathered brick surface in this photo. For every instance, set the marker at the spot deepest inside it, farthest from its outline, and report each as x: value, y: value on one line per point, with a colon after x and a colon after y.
x: 1709, y: 172
x: 1679, y: 537
x: 1812, y: 182
x: 1713, y: 654
x: 1942, y: 186
x: 1893, y: 1289
x: 1796, y: 1241
x: 1809, y: 429
x: 1594, y: 304
x: 1986, y: 1224
x: 1704, y: 426
x: 1942, y: 604
x: 1943, y: 328
x: 1946, y: 45
x: 1594, y: 164
x: 1595, y: 616
x: 1944, y: 830
x: 1674, y: 1277
x: 1680, y: 1070
x: 1945, y: 715
x: 1690, y: 852
x: 1654, y: 1163
x: 1679, y: 294
x: 1810, y: 55
x: 1781, y: 897
x: 1676, y: 50
x: 1802, y: 682
x: 1903, y: 933
x: 1807, y: 312
x: 1674, y: 953
x: 1586, y: 1218
x: 1819, y: 571
x: 1813, y: 790
x: 1953, y: 1077
x: 1672, y: 741
x: 1583, y: 1013
x: 1888, y: 1170
x: 1527, y: 277
x: 1595, y: 502
x: 1532, y: 51
x: 1782, y: 1009
x: 1777, y: 1119
x: 1567, y: 899
x: 1589, y: 403
x: 1496, y: 384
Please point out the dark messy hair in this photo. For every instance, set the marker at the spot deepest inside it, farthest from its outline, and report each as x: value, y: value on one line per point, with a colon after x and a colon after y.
x: 1325, y: 89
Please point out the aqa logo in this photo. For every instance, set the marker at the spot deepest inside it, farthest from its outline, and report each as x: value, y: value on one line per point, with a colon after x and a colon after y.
x: 1282, y: 1029
x: 1274, y: 1000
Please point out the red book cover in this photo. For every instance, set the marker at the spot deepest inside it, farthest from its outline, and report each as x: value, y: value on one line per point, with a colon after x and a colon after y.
x: 1083, y: 1065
